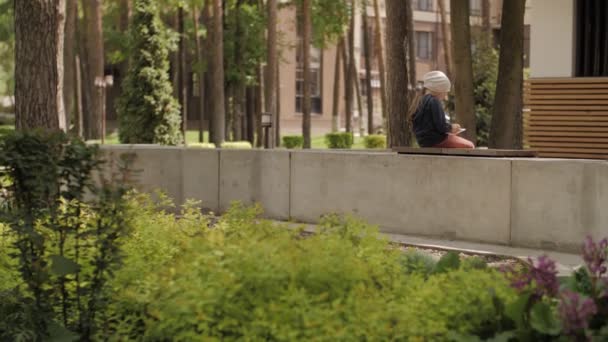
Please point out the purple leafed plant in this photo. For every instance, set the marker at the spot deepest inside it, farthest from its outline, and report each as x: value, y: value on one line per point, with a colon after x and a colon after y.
x: 541, y: 276
x: 575, y: 312
x: 595, y: 256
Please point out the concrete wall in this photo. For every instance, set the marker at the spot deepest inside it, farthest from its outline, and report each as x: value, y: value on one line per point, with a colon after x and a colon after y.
x: 545, y: 203
x: 552, y: 38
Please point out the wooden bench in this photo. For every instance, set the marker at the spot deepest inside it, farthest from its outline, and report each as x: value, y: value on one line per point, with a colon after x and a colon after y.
x: 478, y: 152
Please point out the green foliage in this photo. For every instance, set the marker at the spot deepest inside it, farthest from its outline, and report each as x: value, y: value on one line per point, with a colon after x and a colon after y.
x: 329, y: 21
x: 7, y: 48
x: 417, y: 262
x: 65, y: 249
x: 339, y: 140
x: 375, y: 141
x: 147, y: 111
x: 293, y: 141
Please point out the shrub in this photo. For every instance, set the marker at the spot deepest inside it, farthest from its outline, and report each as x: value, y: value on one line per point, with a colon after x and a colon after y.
x: 293, y: 141
x: 147, y: 111
x: 237, y: 145
x: 202, y: 145
x: 66, y: 248
x: 339, y: 140
x: 375, y: 141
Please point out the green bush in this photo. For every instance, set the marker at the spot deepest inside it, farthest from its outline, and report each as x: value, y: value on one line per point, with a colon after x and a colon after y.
x: 375, y: 141
x: 293, y: 141
x: 202, y: 145
x: 147, y: 111
x: 339, y: 140
x: 237, y: 145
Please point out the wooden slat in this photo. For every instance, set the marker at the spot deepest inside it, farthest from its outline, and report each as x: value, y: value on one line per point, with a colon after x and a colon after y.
x: 583, y: 102
x: 570, y: 107
x: 567, y: 129
x: 571, y: 86
x: 590, y: 145
x: 572, y: 149
x: 534, y: 123
x: 540, y: 139
x: 565, y: 91
x: 580, y: 134
x: 560, y: 97
x: 562, y: 112
x: 568, y: 80
x: 572, y: 155
x: 573, y: 118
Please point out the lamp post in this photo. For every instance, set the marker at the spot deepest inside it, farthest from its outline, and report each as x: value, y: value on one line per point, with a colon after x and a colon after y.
x: 266, y: 124
x: 102, y: 83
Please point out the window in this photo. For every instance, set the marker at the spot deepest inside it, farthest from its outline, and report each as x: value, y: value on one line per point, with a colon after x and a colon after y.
x: 591, y: 38
x: 475, y: 7
x: 424, y: 5
x: 315, y: 79
x: 424, y: 45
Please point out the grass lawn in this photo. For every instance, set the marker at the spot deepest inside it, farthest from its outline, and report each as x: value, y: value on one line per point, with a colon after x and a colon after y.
x: 317, y: 142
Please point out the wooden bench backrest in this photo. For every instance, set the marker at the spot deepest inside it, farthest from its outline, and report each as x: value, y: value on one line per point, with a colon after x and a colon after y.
x: 567, y: 117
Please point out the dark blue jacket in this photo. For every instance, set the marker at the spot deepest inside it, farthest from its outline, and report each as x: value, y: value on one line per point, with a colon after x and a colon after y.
x: 431, y: 124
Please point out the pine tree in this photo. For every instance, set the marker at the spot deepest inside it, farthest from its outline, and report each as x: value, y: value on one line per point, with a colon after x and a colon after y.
x: 147, y: 110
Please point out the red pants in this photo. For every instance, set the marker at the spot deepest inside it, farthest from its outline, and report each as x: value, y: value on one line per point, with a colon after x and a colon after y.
x: 454, y: 141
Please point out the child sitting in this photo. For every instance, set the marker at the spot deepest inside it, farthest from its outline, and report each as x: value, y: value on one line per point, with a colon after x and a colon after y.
x: 431, y: 124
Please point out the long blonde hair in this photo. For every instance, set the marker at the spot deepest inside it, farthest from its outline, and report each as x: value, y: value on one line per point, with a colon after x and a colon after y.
x: 413, y: 107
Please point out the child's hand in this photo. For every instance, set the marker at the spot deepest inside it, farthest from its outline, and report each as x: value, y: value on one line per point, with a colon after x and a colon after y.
x: 455, y: 128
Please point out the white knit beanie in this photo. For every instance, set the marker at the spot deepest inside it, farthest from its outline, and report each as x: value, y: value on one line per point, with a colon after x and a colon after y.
x: 437, y: 81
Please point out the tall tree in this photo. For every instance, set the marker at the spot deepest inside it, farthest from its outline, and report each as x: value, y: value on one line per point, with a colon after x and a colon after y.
x: 271, y: 66
x: 95, y: 65
x: 445, y: 41
x: 39, y: 41
x: 397, y: 76
x: 463, y: 67
x: 69, y: 56
x: 126, y: 11
x: 335, y: 118
x: 182, y: 72
x: 306, y: 40
x: 485, y: 18
x: 350, y: 78
x: 277, y: 129
x: 380, y: 54
x: 199, y: 72
x: 216, y: 69
x: 368, y: 71
x: 147, y: 111
x: 411, y: 49
x: 505, y: 131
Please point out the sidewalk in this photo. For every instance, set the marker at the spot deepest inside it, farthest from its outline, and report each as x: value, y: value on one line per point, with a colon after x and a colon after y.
x: 566, y: 263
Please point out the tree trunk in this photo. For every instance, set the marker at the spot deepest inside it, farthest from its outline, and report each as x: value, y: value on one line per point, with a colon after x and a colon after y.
x: 368, y: 72
x: 411, y: 50
x: 505, y: 131
x: 69, y: 56
x: 126, y: 11
x: 216, y: 68
x: 259, y: 95
x: 277, y: 130
x: 485, y: 16
x: 445, y: 33
x: 250, y: 110
x: 174, y: 57
x: 463, y: 67
x: 355, y: 72
x: 39, y: 42
x: 348, y: 87
x: 380, y: 54
x: 397, y: 76
x: 183, y: 83
x: 271, y: 67
x: 95, y: 65
x: 78, y: 121
x: 200, y: 75
x: 349, y: 79
x: 335, y: 122
x: 207, y: 56
x: 307, y: 32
